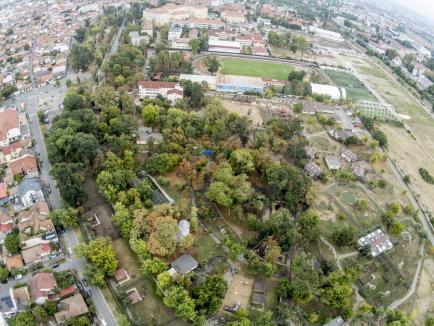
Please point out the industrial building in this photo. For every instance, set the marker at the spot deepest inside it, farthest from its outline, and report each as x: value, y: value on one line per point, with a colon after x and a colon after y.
x: 239, y: 84
x: 224, y: 46
x: 326, y: 34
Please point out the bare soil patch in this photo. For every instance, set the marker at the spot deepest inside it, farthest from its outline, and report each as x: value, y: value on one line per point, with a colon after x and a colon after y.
x: 240, y: 290
x: 97, y: 204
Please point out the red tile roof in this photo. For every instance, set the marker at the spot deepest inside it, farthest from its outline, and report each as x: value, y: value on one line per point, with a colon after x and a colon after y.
x: 3, y: 190
x: 41, y: 284
x: 12, y: 147
x: 9, y: 119
x: 24, y: 164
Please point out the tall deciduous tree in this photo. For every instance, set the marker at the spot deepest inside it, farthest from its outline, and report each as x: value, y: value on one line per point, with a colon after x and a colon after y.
x: 208, y: 296
x: 70, y: 181
x: 66, y: 217
x: 100, y: 254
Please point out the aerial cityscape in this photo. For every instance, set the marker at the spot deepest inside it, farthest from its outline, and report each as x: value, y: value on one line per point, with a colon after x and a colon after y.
x: 216, y: 162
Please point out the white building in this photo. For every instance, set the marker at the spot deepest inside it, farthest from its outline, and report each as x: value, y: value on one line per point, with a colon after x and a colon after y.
x: 174, y: 33
x: 199, y: 23
x: 181, y: 43
x: 224, y: 46
x: 137, y: 39
x: 334, y: 92
x: 171, y: 11
x: 378, y: 241
x: 326, y: 34
x: 151, y: 89
x: 233, y: 17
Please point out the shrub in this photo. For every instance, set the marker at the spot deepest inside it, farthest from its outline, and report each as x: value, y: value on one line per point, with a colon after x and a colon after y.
x: 426, y: 176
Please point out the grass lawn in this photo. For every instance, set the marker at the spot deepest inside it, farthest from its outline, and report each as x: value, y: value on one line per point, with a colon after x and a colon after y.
x: 151, y: 309
x: 205, y: 248
x: 255, y: 68
x: 353, y: 86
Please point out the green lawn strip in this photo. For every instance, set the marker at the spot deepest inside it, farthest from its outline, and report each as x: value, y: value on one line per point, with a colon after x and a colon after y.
x: 355, y: 89
x: 254, y: 68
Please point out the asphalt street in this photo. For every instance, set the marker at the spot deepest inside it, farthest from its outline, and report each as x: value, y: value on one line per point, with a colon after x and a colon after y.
x: 49, y: 98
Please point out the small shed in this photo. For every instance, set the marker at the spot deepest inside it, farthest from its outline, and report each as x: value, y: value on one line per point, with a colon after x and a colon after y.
x: 183, y: 265
x: 258, y: 300
x: 259, y: 287
x: 121, y: 275
x: 349, y: 155
x: 312, y: 170
x: 332, y: 162
x: 134, y: 296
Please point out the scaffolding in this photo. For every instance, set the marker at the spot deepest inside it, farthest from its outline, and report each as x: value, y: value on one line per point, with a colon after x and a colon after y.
x: 377, y: 110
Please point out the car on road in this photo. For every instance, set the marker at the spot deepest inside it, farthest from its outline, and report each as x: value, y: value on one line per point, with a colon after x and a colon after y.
x: 48, y: 188
x: 70, y: 251
x: 84, y: 282
x: 55, y: 265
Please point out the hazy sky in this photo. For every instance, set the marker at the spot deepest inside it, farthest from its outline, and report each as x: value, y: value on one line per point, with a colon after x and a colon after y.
x: 422, y: 7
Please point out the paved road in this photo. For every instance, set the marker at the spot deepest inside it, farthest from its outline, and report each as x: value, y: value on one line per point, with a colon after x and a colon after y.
x: 49, y: 98
x: 69, y: 236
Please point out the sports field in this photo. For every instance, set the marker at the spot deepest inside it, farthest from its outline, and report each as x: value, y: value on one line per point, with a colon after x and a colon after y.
x: 353, y: 86
x: 254, y: 68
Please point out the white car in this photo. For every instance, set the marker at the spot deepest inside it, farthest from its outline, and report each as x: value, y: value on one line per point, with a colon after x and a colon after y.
x: 70, y: 251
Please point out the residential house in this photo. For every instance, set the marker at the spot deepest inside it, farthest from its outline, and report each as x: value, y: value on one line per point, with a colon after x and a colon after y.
x: 24, y: 165
x: 21, y: 297
x: 42, y: 285
x: 11, y: 151
x: 71, y: 307
x: 332, y: 162
x: 6, y: 221
x: 36, y: 254
x: 14, y: 262
x: 4, y: 197
x: 9, y: 126
x: 30, y: 190
x: 170, y: 90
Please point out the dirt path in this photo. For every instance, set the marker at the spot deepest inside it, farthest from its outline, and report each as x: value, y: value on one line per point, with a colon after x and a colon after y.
x: 395, y: 304
x: 423, y: 303
x: 338, y: 258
